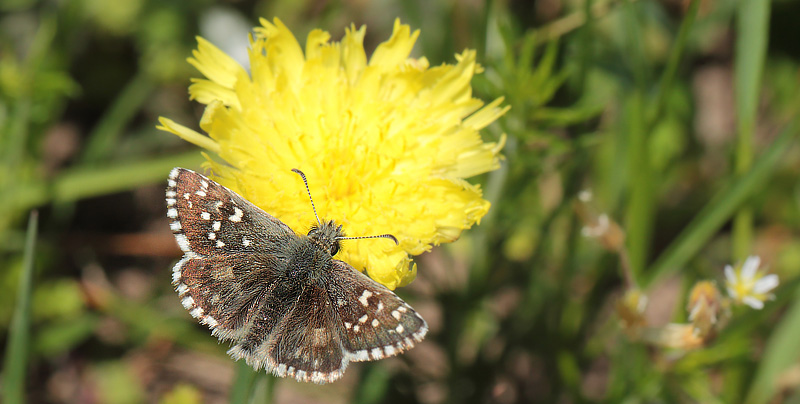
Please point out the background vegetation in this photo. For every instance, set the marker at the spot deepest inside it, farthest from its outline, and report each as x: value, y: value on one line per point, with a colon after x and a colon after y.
x: 677, y: 115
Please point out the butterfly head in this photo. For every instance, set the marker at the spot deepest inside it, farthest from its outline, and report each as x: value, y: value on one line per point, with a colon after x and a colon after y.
x: 326, y: 236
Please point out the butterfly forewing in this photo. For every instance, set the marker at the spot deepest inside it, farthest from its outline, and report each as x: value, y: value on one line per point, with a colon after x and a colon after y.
x: 209, y: 219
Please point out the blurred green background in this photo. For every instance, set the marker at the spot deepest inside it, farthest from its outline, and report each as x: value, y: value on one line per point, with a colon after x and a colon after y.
x: 677, y: 115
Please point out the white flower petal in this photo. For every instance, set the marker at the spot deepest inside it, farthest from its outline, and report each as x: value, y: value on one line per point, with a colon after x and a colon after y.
x: 730, y: 275
x: 750, y: 267
x: 732, y: 293
x: 766, y: 284
x: 753, y: 302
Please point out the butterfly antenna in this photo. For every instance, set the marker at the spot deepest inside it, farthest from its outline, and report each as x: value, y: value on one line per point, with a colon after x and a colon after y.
x: 303, y: 176
x: 389, y: 236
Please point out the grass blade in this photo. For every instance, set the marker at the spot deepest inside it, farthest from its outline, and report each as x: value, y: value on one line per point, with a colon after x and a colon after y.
x: 243, y: 383
x: 782, y: 351
x: 721, y: 209
x: 17, y: 349
x: 752, y: 25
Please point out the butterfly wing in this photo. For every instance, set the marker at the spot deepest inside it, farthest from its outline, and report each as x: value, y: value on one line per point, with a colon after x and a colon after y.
x: 303, y: 345
x: 233, y: 256
x: 373, y: 322
x: 210, y: 219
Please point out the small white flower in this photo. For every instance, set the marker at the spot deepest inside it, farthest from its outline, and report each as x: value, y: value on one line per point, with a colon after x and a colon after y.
x: 746, y: 285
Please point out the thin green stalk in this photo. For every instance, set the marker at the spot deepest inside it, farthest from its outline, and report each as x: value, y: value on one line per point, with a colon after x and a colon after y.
x: 714, y: 215
x: 15, y: 366
x: 639, y: 217
x: 125, y: 106
x: 264, y: 389
x: 373, y: 385
x: 243, y: 383
x: 585, y: 42
x: 675, y: 57
x: 752, y: 25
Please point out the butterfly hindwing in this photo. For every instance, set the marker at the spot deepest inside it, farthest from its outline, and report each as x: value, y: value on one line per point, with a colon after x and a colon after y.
x: 228, y: 292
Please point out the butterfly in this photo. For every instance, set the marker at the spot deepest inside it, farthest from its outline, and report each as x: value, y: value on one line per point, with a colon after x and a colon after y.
x: 281, y: 299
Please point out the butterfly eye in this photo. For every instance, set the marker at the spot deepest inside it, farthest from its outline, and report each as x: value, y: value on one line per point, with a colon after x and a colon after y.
x: 334, y: 248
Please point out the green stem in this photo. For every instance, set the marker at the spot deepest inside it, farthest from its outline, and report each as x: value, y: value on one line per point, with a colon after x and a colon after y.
x: 106, y: 133
x: 639, y: 218
x: 752, y: 25
x: 19, y: 334
x: 243, y: 383
x: 673, y: 61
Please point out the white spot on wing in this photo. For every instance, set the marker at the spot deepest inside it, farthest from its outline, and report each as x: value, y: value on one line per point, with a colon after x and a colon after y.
x: 175, y: 226
x: 360, y: 356
x: 399, y: 328
x: 183, y: 243
x: 172, y: 213
x: 377, y: 353
x: 364, y: 297
x: 200, y: 193
x: 348, y: 325
x: 171, y: 193
x: 237, y: 215
x: 187, y: 302
x: 220, y: 244
x: 212, y: 236
x: 197, y: 312
x: 216, y: 225
x: 245, y: 241
x: 363, y: 319
x: 211, y: 322
x: 396, y: 314
x: 205, y: 216
x: 375, y: 323
x: 170, y: 201
x: 389, y: 350
x: 176, y: 270
x: 182, y: 289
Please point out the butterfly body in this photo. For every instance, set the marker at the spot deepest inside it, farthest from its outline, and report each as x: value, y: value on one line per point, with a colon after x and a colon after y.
x: 281, y: 299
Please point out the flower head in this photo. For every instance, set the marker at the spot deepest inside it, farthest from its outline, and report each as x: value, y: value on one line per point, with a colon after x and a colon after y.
x: 747, y: 285
x: 385, y: 141
x: 630, y: 309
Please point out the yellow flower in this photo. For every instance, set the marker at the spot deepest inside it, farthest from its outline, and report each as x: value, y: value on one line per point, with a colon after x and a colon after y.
x: 385, y: 141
